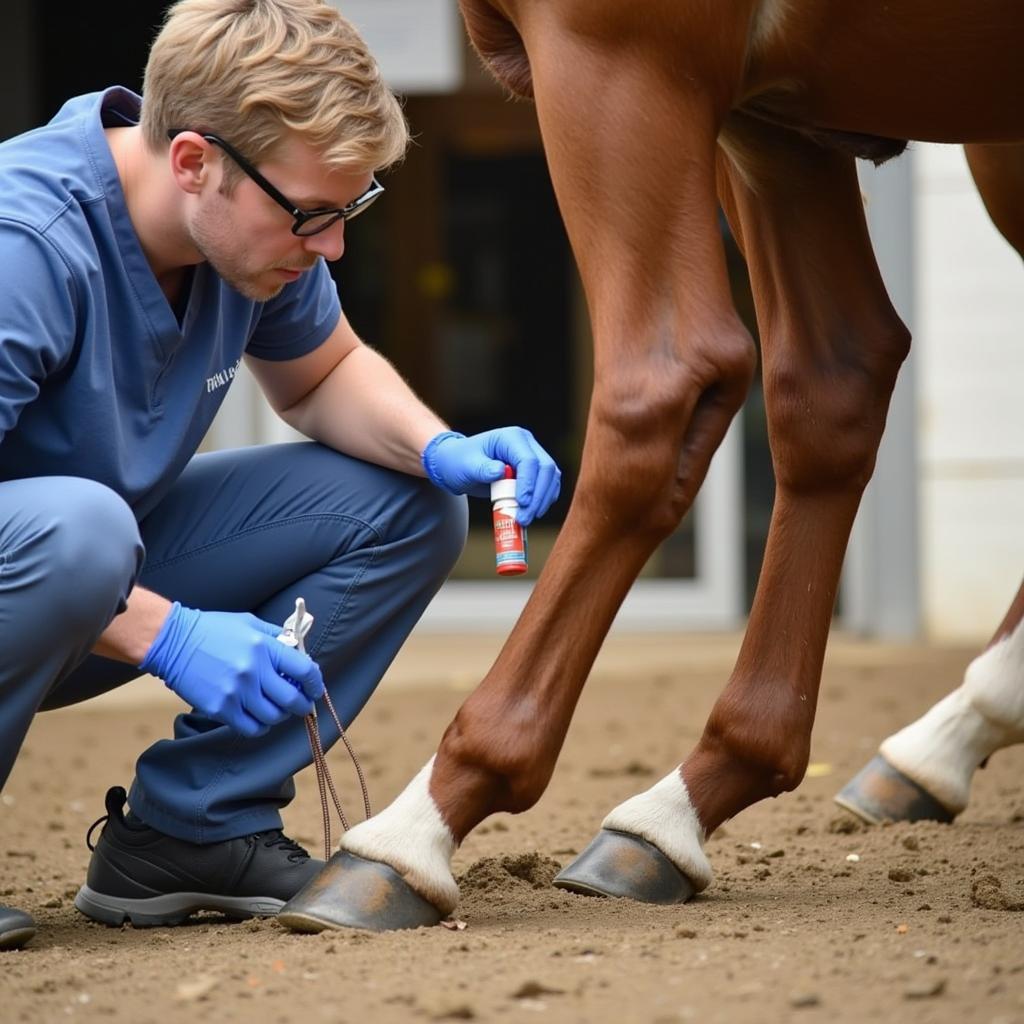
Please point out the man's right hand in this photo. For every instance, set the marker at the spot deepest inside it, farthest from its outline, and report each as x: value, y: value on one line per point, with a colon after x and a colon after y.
x: 231, y: 667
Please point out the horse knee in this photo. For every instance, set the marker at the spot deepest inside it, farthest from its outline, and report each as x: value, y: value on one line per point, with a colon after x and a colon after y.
x: 826, y: 415
x: 655, y: 423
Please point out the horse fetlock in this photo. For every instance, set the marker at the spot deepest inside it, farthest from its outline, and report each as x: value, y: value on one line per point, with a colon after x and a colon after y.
x: 944, y: 747
x: 720, y: 785
x: 782, y: 777
x: 411, y: 836
x: 483, y: 769
x: 994, y: 685
x: 772, y: 753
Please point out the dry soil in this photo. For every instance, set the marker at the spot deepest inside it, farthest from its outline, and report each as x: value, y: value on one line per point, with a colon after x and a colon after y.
x: 811, y: 917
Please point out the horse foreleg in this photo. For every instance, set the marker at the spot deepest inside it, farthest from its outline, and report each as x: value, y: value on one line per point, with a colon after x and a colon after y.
x: 647, y: 450
x: 672, y: 365
x: 832, y: 345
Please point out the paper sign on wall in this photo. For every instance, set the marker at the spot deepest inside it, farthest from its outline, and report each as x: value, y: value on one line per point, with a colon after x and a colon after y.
x: 418, y: 43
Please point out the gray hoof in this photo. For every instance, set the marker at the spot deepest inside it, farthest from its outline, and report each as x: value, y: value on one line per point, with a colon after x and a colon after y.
x: 879, y: 792
x: 352, y: 892
x: 619, y: 864
x: 16, y: 928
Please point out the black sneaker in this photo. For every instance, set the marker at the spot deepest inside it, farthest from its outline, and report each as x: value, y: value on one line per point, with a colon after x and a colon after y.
x: 16, y: 928
x: 150, y: 878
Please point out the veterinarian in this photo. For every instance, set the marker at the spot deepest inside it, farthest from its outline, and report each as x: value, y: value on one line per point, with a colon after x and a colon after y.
x: 148, y: 246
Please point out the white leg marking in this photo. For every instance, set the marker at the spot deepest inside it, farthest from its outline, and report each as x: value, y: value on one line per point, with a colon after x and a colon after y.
x: 410, y: 836
x: 941, y: 750
x: 769, y: 23
x: 664, y: 816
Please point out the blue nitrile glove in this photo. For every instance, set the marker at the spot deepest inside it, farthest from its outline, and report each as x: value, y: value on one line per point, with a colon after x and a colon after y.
x: 232, y: 667
x: 469, y: 465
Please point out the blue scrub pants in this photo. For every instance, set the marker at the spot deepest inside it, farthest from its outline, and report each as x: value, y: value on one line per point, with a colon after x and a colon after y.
x: 245, y: 530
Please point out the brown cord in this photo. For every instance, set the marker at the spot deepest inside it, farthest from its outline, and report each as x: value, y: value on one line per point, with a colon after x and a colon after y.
x: 293, y: 633
x: 323, y: 775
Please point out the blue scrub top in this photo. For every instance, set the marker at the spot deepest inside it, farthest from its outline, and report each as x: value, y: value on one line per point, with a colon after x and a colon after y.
x: 97, y: 377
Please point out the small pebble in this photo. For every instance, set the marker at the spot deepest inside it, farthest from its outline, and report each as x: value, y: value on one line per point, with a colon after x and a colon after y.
x: 534, y: 989
x: 801, y: 1000
x: 196, y: 988
x: 928, y: 989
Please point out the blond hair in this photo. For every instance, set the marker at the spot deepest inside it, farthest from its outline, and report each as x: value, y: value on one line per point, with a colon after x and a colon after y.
x: 252, y: 70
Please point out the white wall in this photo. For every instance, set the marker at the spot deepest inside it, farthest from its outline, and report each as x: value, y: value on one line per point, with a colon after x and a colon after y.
x: 970, y: 349
x: 881, y: 591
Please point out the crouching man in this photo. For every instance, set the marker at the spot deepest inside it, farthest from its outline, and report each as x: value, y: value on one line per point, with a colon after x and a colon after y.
x: 148, y: 245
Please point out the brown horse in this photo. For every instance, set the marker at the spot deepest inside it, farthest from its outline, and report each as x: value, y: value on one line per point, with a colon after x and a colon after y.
x: 652, y: 113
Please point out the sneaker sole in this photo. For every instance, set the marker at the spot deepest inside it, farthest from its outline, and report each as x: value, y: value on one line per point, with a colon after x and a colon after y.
x: 171, y: 909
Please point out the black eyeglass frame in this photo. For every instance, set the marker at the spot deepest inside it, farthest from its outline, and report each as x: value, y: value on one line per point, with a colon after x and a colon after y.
x: 300, y: 216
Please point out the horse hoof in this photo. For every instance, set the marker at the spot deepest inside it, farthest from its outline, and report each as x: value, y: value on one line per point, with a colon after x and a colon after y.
x: 879, y: 792
x: 352, y: 892
x: 16, y: 928
x: 619, y: 864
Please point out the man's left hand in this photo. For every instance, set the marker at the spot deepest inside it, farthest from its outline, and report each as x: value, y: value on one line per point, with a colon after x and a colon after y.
x: 469, y: 465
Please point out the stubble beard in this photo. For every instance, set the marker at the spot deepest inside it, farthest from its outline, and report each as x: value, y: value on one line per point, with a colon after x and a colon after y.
x: 229, y: 264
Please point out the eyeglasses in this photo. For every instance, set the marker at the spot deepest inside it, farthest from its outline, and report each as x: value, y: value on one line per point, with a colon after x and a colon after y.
x: 306, y: 222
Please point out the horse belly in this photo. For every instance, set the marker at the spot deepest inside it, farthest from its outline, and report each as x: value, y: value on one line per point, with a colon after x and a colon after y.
x: 940, y: 71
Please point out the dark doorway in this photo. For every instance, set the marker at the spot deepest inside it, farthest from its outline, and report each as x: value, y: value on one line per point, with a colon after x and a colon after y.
x: 497, y: 345
x: 85, y: 47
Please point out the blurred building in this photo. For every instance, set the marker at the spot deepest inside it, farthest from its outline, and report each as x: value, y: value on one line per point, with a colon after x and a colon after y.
x: 462, y: 275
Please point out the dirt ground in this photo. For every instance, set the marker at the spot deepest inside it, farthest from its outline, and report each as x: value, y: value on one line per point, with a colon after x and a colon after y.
x: 810, y: 918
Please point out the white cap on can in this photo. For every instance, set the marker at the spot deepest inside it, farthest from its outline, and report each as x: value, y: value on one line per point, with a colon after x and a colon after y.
x: 503, y: 489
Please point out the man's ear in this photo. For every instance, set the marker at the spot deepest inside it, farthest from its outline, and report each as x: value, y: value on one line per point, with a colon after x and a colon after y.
x: 191, y: 158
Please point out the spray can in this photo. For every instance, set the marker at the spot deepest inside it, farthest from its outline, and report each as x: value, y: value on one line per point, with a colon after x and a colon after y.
x: 510, y: 550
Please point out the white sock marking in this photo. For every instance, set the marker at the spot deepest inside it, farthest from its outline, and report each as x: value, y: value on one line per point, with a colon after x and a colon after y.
x: 769, y: 23
x: 664, y: 816
x: 941, y: 750
x: 410, y: 836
